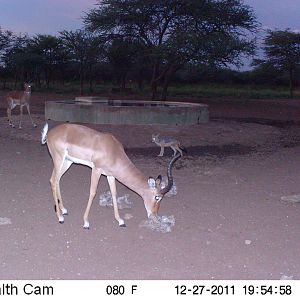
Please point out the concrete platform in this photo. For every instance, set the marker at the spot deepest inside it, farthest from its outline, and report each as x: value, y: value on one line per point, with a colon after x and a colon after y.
x: 103, y: 111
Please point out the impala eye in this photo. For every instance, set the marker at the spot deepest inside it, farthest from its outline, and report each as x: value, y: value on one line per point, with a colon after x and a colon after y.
x: 157, y: 198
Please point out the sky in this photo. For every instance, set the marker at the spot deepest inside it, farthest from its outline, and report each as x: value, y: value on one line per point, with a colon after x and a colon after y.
x: 274, y: 15
x: 52, y: 16
x: 277, y: 14
x: 43, y: 16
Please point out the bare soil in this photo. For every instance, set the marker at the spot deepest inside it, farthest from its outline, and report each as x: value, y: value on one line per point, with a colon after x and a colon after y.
x: 231, y: 221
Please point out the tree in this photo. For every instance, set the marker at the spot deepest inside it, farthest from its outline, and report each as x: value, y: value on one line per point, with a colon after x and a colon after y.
x: 84, y: 49
x: 282, y: 51
x: 6, y: 39
x: 46, y: 48
x: 175, y: 32
x: 18, y: 61
x: 123, y: 57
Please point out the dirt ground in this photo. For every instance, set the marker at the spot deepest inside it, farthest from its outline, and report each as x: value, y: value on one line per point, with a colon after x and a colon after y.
x: 232, y: 220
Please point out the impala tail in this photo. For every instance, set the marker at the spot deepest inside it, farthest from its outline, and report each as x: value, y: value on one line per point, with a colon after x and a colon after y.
x: 44, y: 134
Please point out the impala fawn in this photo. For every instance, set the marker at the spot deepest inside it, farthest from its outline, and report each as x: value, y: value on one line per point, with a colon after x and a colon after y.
x: 21, y: 98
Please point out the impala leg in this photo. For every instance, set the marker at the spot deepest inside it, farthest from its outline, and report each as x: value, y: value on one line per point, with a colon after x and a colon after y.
x: 53, y: 182
x: 21, y: 116
x: 66, y: 165
x: 112, y: 185
x: 161, y: 151
x: 28, y: 110
x: 93, y: 190
x: 9, y: 117
x: 60, y: 167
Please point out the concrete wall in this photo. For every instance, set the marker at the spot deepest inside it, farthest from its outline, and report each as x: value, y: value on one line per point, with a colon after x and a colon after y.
x: 127, y: 112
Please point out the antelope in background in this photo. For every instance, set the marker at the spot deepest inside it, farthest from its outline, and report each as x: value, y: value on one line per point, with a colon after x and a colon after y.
x: 21, y: 98
x: 104, y: 154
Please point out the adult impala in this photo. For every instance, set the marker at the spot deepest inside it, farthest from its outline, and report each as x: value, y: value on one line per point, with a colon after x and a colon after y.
x: 104, y: 154
x: 19, y: 98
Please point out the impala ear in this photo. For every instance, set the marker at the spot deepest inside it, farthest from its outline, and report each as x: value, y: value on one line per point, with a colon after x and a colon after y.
x: 151, y: 183
x: 158, y: 180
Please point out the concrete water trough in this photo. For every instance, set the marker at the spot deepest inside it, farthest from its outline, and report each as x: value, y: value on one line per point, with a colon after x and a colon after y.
x: 98, y: 110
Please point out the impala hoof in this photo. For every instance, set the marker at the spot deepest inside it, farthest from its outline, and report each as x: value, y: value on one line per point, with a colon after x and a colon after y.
x: 61, y: 222
x: 64, y: 211
x: 34, y: 125
x: 86, y: 225
x: 122, y: 223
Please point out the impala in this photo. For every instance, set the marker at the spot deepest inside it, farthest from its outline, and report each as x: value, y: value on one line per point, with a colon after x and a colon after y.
x: 21, y: 98
x: 104, y: 154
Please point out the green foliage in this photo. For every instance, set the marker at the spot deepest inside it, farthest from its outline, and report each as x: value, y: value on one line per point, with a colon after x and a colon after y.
x: 84, y: 49
x: 175, y: 32
x: 282, y: 51
x: 151, y: 45
x: 198, y: 92
x: 5, y: 39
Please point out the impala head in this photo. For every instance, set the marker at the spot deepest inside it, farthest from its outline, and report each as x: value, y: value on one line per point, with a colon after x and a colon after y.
x: 27, y: 87
x: 155, y: 192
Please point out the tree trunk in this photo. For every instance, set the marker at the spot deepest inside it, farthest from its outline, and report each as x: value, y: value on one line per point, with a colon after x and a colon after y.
x: 291, y: 84
x: 154, y: 80
x: 4, y: 84
x: 63, y: 78
x: 39, y: 84
x: 140, y: 81
x: 167, y: 78
x: 81, y: 79
x: 91, y: 79
x: 16, y: 82
x: 123, y: 82
x: 47, y: 81
x: 91, y: 89
x: 165, y: 86
x: 154, y: 90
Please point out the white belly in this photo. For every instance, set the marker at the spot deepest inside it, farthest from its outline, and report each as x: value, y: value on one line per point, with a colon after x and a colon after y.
x: 79, y: 161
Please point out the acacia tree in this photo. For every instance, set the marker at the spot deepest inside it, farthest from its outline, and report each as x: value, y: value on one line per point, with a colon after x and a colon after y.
x: 282, y: 50
x: 18, y: 61
x: 174, y: 32
x: 123, y: 56
x: 6, y: 39
x: 46, y: 48
x: 84, y: 49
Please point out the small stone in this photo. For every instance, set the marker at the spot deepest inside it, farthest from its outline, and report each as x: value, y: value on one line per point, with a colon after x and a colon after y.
x: 291, y: 198
x: 5, y: 221
x: 285, y: 277
x: 128, y: 216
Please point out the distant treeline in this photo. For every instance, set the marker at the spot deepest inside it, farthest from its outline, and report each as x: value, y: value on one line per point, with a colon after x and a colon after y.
x: 153, y: 43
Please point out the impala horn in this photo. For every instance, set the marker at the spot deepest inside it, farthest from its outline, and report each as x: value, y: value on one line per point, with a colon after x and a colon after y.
x: 168, y: 187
